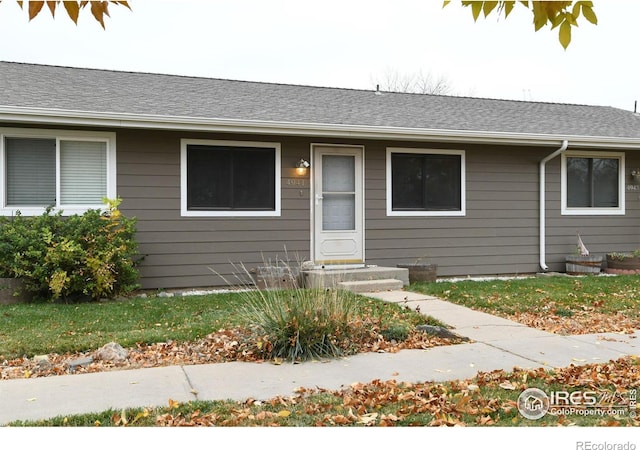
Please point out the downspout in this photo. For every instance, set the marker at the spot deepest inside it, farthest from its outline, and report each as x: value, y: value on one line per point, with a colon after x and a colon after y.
x: 543, y: 209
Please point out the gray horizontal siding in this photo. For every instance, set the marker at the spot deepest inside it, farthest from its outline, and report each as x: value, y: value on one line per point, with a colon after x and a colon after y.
x: 181, y: 251
x: 498, y: 235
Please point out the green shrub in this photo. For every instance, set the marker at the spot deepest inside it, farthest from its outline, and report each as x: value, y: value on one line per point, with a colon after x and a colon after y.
x: 90, y: 255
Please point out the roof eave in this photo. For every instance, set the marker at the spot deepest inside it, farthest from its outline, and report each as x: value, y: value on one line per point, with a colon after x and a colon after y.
x: 42, y: 116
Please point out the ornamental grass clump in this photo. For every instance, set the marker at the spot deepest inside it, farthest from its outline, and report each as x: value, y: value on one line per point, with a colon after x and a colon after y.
x: 302, y: 324
x: 294, y: 323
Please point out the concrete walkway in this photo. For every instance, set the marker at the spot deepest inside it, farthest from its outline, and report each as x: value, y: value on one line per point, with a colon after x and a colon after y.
x: 495, y: 343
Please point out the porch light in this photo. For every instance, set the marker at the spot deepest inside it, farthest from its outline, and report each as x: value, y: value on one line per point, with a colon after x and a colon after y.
x: 636, y: 174
x: 302, y: 166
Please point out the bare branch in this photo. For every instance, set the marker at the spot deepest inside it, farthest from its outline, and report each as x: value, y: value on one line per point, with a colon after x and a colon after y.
x: 415, y: 83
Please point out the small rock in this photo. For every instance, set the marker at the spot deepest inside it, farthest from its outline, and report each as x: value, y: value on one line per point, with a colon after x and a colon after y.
x: 111, y: 352
x: 74, y: 363
x: 165, y: 294
x: 440, y: 332
x: 42, y: 362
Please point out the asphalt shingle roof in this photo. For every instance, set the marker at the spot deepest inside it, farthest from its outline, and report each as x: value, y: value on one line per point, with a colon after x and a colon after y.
x: 105, y: 91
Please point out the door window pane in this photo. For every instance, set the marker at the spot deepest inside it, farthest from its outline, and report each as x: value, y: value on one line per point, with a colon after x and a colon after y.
x: 339, y: 212
x: 338, y: 173
x: 338, y: 186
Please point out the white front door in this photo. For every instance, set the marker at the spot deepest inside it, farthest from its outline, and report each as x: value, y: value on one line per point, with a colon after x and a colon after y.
x: 338, y: 212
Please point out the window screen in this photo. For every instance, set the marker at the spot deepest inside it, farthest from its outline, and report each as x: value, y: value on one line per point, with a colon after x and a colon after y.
x: 30, y: 172
x: 426, y: 182
x: 230, y: 178
x: 593, y: 182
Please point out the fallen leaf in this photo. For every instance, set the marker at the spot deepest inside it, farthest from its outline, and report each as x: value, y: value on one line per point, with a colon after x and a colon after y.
x: 507, y: 385
x: 368, y: 419
x: 284, y: 413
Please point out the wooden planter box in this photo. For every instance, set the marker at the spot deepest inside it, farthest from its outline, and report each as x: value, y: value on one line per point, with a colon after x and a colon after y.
x: 12, y: 291
x: 627, y: 264
x: 583, y: 265
x: 421, y: 272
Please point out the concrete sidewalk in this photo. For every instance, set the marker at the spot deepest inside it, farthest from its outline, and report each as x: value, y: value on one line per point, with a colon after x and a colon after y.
x: 496, y: 344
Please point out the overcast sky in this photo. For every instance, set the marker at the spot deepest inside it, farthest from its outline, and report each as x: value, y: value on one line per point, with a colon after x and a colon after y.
x: 345, y: 43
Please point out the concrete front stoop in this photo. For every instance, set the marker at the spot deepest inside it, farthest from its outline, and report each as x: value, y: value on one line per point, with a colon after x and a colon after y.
x: 361, y: 279
x: 371, y: 285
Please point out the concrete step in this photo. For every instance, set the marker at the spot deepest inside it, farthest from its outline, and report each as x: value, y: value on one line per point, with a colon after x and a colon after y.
x: 329, y: 277
x: 371, y: 285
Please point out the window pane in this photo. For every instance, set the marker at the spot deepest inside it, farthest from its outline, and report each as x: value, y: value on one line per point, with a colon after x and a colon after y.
x: 605, y: 182
x: 31, y: 172
x: 592, y: 182
x: 578, y: 182
x: 429, y: 182
x: 232, y: 178
x: 254, y: 179
x: 83, y: 172
x: 442, y: 182
x: 208, y: 177
x: 407, y: 181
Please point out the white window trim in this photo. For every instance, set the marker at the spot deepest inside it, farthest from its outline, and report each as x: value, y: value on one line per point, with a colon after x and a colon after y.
x: 424, y: 151
x: 58, y: 135
x: 184, y: 212
x: 567, y: 211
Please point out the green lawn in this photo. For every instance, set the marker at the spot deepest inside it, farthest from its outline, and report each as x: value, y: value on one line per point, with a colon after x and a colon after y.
x: 33, y: 329
x: 567, y: 295
x: 487, y: 400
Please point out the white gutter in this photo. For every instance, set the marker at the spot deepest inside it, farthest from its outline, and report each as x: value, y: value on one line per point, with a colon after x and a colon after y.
x: 42, y: 116
x: 543, y: 232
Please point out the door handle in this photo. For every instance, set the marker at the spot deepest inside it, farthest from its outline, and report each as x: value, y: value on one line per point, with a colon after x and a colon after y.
x: 318, y: 198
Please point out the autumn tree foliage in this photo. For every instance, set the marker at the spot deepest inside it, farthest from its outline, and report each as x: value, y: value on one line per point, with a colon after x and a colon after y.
x: 563, y: 15
x: 99, y: 9
x: 556, y: 14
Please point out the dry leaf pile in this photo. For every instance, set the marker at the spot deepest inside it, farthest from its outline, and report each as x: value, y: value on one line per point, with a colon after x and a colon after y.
x: 585, y: 320
x: 222, y: 346
x: 580, y: 322
x: 456, y: 403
